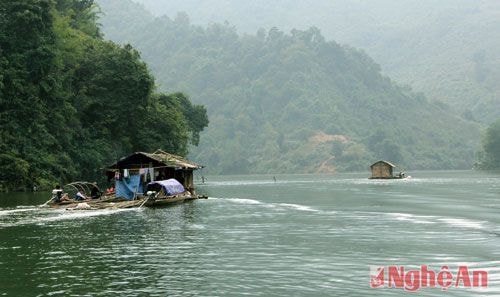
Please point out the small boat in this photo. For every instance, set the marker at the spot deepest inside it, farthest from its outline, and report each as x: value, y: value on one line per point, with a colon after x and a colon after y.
x: 112, y: 202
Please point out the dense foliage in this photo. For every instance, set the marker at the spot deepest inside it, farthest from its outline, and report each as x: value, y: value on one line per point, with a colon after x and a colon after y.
x: 291, y: 102
x: 489, y: 157
x: 71, y: 102
x: 445, y: 48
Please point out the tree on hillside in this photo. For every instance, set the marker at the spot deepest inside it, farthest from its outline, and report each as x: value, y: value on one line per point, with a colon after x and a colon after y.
x: 83, y: 15
x: 28, y: 83
x: 489, y: 158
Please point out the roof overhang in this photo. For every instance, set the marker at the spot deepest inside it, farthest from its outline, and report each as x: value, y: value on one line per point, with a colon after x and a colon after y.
x: 382, y: 161
x: 157, y: 159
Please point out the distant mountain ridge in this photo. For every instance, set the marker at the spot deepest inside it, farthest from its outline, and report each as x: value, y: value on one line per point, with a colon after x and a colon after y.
x: 447, y: 49
x: 291, y: 102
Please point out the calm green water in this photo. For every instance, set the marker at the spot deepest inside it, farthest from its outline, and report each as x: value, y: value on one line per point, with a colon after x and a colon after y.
x: 303, y: 235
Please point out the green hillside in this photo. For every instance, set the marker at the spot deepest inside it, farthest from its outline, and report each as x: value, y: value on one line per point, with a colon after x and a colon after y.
x: 291, y: 102
x: 447, y: 49
x: 72, y: 102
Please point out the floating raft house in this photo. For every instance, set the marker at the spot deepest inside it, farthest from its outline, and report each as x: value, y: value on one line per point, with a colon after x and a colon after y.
x: 134, y: 172
x: 384, y: 170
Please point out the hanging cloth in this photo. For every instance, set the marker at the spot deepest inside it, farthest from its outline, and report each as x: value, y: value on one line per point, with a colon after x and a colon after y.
x: 143, y: 173
x: 151, y: 174
x: 125, y: 173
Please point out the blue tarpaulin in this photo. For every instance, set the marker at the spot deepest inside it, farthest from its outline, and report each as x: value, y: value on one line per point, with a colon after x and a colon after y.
x: 170, y: 186
x: 128, y: 187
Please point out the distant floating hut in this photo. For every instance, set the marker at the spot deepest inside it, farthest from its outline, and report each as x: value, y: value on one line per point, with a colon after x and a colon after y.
x: 133, y: 172
x: 384, y: 170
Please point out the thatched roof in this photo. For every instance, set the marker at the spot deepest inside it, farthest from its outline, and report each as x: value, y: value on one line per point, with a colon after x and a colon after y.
x: 171, y: 159
x: 385, y: 162
x: 157, y: 159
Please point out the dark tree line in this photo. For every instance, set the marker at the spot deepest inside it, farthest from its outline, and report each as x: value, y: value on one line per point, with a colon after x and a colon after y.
x: 72, y: 102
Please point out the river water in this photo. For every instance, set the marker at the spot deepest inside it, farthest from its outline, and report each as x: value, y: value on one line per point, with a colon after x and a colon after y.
x: 303, y: 235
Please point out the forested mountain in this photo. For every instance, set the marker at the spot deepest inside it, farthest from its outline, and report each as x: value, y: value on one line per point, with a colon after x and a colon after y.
x: 448, y: 49
x: 291, y: 102
x: 72, y: 102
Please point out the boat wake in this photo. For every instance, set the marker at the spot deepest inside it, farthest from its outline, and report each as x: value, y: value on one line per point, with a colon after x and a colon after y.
x: 6, y: 212
x: 71, y: 215
x: 38, y: 215
x: 451, y: 222
x: 406, y: 217
x: 279, y: 206
x: 239, y: 200
x: 462, y: 223
x: 298, y: 207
